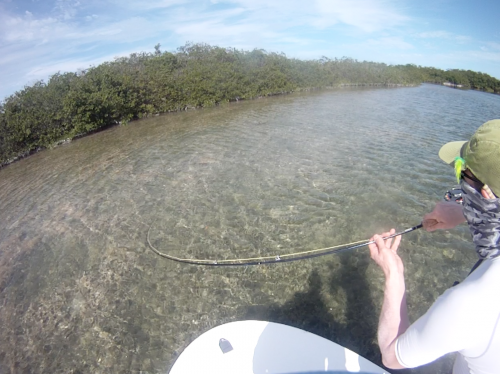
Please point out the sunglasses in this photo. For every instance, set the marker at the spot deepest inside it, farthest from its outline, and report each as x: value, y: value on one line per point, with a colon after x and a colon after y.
x: 474, y: 182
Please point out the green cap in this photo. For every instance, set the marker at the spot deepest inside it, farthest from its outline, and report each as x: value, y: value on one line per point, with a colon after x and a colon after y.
x: 481, y: 154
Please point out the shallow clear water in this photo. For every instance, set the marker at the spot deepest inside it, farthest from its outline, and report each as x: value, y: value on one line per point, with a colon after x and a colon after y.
x: 80, y: 291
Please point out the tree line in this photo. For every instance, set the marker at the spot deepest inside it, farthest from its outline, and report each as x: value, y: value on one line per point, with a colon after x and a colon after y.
x: 195, y: 76
x: 468, y: 79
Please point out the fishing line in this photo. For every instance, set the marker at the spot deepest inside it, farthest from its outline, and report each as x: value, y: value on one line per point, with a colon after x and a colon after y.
x: 289, y: 257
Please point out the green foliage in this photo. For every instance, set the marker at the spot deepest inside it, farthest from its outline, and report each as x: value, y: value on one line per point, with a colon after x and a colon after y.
x: 465, y: 78
x: 6, y: 143
x: 34, y: 117
x: 105, y: 95
x: 195, y: 76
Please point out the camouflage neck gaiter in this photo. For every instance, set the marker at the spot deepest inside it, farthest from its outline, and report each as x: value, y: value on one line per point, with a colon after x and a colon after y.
x: 483, y: 217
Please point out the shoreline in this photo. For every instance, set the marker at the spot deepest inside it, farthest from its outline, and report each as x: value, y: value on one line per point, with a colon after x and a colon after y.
x: 70, y: 139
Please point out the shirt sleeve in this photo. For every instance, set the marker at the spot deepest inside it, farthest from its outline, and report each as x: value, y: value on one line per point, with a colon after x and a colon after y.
x: 443, y: 329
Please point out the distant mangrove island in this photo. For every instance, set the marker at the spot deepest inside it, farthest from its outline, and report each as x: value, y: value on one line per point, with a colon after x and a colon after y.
x: 195, y: 76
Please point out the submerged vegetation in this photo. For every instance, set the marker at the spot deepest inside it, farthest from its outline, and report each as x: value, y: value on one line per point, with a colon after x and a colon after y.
x: 195, y: 76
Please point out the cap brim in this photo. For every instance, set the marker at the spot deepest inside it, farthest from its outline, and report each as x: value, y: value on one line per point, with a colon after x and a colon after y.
x: 450, y: 151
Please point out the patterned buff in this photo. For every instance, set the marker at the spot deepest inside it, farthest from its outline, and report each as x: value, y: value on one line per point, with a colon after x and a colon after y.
x: 483, y: 217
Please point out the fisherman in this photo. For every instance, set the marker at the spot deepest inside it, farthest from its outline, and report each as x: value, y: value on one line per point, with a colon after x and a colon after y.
x: 466, y: 317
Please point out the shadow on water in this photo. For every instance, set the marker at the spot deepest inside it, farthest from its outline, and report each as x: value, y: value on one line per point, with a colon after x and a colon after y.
x: 357, y: 329
x: 308, y: 311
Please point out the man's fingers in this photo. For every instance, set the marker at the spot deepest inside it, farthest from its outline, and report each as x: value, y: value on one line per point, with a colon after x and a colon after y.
x: 373, y: 250
x: 395, y: 245
x: 374, y: 247
x: 430, y: 224
x: 379, y: 241
x: 385, y: 235
x: 381, y: 244
x: 429, y: 216
x: 388, y: 242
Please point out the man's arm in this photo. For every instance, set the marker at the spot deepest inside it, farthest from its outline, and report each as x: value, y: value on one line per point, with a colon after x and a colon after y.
x: 394, y: 317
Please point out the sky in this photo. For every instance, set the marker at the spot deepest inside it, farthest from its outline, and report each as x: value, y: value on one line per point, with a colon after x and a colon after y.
x: 39, y: 38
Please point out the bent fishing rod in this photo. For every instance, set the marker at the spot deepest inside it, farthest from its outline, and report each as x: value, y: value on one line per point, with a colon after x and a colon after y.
x: 266, y: 260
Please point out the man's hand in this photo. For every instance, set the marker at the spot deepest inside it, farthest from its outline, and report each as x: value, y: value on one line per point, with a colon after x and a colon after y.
x: 446, y: 215
x: 394, y: 316
x: 384, y: 253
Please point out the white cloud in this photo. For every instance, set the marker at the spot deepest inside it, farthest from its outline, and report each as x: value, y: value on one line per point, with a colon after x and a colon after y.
x: 215, y: 28
x: 67, y: 9
x: 25, y: 29
x: 441, y: 34
x: 366, y: 15
x: 45, y: 30
x: 262, y: 23
x: 140, y: 5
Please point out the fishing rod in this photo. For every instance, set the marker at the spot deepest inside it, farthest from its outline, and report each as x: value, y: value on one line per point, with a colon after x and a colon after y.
x: 290, y: 257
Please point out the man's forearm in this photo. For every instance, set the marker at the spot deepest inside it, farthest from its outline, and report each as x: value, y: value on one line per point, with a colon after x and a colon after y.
x: 393, y: 319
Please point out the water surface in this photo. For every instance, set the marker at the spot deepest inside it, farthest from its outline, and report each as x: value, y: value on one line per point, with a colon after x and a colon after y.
x: 80, y: 291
